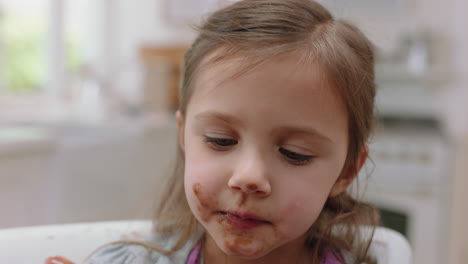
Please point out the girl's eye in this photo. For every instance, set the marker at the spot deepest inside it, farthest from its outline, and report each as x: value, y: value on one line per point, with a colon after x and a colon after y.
x: 295, y: 158
x: 220, y: 143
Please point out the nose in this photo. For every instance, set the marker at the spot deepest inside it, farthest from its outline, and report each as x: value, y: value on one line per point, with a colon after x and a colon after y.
x: 251, y: 177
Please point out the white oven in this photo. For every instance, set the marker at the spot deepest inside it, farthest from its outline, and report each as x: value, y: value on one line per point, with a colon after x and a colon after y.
x: 409, y: 179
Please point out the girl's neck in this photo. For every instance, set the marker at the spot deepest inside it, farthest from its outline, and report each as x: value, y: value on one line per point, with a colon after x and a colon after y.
x: 290, y: 254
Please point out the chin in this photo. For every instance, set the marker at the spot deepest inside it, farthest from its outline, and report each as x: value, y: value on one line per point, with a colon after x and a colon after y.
x: 244, y: 254
x: 249, y: 252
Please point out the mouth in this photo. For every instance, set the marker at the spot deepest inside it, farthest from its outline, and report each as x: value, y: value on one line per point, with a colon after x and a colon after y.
x: 243, y: 221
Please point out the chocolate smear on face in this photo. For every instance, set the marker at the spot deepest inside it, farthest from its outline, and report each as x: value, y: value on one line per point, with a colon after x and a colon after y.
x: 252, y: 187
x: 238, y: 242
x: 242, y: 199
x: 204, y: 203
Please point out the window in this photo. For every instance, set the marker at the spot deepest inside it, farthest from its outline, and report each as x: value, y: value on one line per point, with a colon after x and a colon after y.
x: 23, y: 38
x: 42, y: 43
x: 45, y: 48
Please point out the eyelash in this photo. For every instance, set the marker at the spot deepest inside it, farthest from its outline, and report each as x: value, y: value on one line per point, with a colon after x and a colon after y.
x: 222, y: 144
x: 295, y: 158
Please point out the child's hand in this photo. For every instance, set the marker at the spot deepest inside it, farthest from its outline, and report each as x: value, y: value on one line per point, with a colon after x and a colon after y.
x: 58, y: 260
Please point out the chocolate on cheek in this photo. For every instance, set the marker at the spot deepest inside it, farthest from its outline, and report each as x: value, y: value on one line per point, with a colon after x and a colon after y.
x: 206, y: 202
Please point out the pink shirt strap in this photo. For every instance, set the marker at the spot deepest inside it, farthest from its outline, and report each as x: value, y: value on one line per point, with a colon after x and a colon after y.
x: 329, y: 258
x: 194, y: 256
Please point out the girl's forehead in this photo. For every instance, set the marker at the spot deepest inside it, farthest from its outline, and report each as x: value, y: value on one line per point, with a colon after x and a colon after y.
x: 215, y: 70
x: 277, y: 83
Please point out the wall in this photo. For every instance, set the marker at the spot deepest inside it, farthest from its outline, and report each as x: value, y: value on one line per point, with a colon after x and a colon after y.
x: 458, y: 112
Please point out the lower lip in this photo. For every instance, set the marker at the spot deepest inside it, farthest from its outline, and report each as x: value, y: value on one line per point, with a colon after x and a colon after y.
x: 242, y: 223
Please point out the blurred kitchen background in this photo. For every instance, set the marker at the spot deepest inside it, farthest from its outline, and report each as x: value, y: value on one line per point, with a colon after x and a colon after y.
x: 88, y: 90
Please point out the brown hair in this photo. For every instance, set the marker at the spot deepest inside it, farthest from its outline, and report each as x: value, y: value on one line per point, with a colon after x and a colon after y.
x: 346, y: 56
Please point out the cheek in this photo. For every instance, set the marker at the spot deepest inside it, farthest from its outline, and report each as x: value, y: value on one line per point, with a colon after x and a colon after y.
x: 202, y: 182
x: 202, y: 203
x: 206, y: 166
x: 196, y: 165
x: 301, y: 212
x: 301, y: 203
x: 202, y: 167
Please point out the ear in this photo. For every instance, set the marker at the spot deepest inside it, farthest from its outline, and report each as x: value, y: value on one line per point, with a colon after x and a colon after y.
x: 181, y: 129
x: 348, y: 174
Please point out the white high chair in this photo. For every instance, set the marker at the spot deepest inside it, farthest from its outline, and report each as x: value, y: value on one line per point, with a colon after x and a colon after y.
x: 389, y: 247
x: 33, y: 245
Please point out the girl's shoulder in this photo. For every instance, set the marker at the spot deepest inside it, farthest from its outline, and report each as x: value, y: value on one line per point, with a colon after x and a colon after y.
x: 136, y: 252
x: 123, y: 252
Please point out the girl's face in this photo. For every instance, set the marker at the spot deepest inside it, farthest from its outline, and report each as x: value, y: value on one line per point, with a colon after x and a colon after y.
x: 263, y: 152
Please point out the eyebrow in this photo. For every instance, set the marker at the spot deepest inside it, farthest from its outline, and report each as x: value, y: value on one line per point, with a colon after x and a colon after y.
x: 218, y: 115
x: 303, y: 130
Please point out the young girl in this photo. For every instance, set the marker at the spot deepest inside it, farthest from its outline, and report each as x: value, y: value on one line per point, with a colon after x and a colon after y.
x: 276, y: 107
